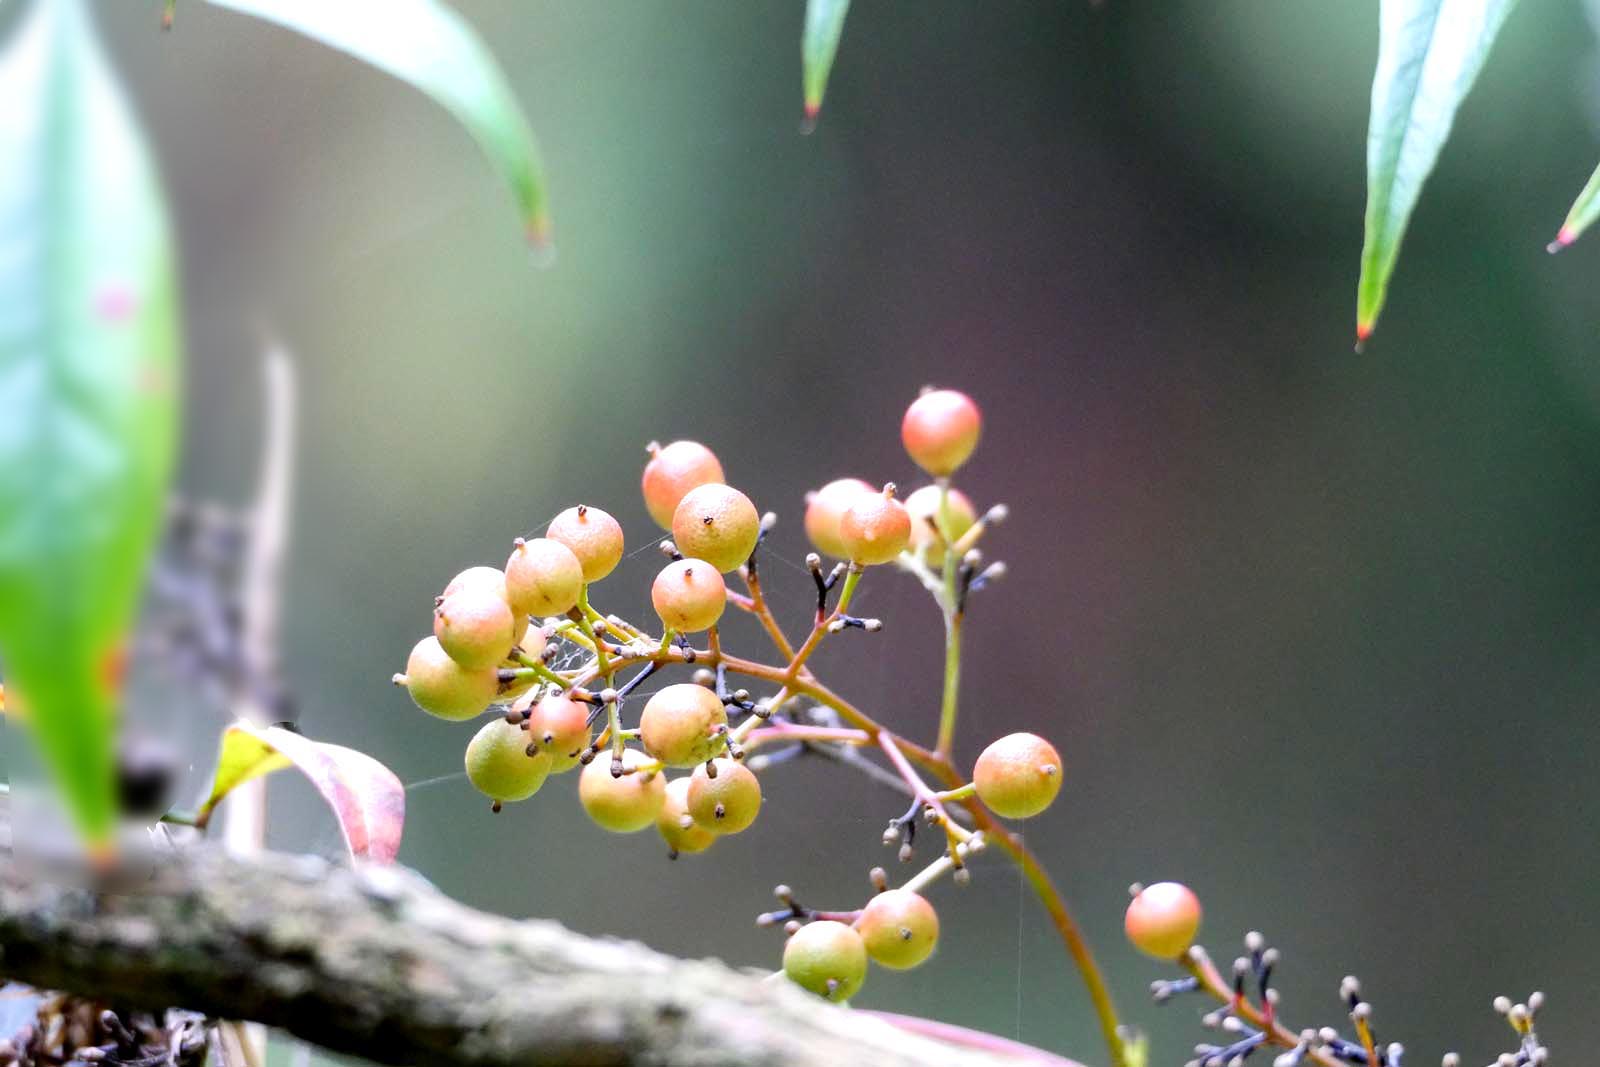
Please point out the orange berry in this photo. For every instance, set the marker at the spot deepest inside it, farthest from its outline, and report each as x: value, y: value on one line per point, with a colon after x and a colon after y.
x: 689, y: 595
x: 476, y: 626
x: 441, y: 686
x: 940, y: 430
x: 825, y: 507
x: 718, y: 524
x: 543, y: 577
x: 679, y: 724
x: 924, y: 508
x: 592, y: 535
x: 900, y: 928
x: 875, y: 528
x: 498, y: 764
x: 488, y: 577
x: 1163, y: 919
x: 728, y: 803
x: 560, y: 727
x: 672, y: 472
x: 676, y: 826
x: 1018, y: 776
x: 826, y: 957
x: 622, y: 805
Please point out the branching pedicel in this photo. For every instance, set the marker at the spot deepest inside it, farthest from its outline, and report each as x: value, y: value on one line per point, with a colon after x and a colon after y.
x: 500, y: 634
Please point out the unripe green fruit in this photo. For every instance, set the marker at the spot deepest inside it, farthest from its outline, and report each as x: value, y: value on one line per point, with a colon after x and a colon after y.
x: 825, y: 507
x: 679, y: 724
x: 899, y: 928
x: 1018, y: 776
x: 827, y: 958
x: 592, y: 535
x: 476, y: 626
x: 875, y: 528
x: 622, y: 805
x: 689, y: 595
x: 923, y: 506
x: 1163, y: 919
x: 940, y: 430
x: 677, y: 827
x: 560, y: 727
x: 672, y: 472
x: 718, y: 524
x: 728, y: 803
x: 498, y: 764
x: 441, y: 686
x: 543, y: 577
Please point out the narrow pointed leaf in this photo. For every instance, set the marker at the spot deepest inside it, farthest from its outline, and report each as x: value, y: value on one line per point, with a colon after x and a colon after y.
x: 429, y: 46
x: 88, y: 392
x: 818, y: 45
x: 1584, y: 211
x: 1429, y: 54
x: 367, y: 800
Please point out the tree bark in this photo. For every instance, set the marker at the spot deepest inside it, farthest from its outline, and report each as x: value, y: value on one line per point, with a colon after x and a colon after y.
x: 376, y: 963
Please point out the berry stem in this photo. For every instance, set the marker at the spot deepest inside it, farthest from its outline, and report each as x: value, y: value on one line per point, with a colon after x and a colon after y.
x: 950, y: 607
x: 1198, y: 964
x: 763, y: 612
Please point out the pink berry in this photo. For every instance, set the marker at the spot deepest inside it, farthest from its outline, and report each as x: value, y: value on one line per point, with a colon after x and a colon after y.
x: 672, y: 472
x: 543, y: 577
x: 689, y: 595
x: 560, y: 727
x: 718, y: 524
x: 679, y: 725
x: 900, y: 928
x: 875, y: 528
x: 1018, y: 776
x: 476, y: 626
x: 940, y: 430
x: 1163, y: 919
x: 825, y: 507
x: 593, y: 536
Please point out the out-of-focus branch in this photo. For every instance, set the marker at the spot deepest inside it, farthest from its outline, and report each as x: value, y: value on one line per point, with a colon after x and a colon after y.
x: 376, y: 963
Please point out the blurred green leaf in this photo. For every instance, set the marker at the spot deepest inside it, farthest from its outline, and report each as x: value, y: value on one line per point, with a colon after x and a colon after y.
x: 1584, y: 211
x: 367, y: 800
x: 818, y: 46
x: 1429, y: 54
x: 88, y: 390
x: 432, y: 48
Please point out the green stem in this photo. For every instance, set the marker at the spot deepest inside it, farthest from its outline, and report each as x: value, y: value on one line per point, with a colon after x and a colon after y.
x: 952, y: 630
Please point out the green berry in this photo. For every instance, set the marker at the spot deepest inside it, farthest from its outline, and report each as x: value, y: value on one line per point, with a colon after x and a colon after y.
x: 923, y: 506
x: 672, y: 472
x: 826, y: 957
x: 825, y: 507
x: 626, y: 804
x: 476, y: 626
x: 676, y: 826
x: 1163, y: 919
x: 899, y: 928
x: 718, y: 524
x: 593, y: 536
x: 441, y: 686
x: 689, y: 595
x: 543, y: 577
x: 728, y: 803
x: 1018, y: 776
x: 560, y: 727
x: 875, y: 528
x: 679, y: 725
x: 940, y: 430
x: 498, y: 764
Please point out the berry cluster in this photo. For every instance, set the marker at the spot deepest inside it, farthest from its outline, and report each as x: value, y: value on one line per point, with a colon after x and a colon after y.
x: 1162, y: 921
x: 498, y: 635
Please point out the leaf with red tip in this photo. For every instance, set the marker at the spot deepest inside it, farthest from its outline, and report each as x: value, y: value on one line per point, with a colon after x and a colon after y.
x: 366, y: 798
x: 818, y: 45
x: 1429, y: 54
x: 1584, y: 211
x: 429, y: 46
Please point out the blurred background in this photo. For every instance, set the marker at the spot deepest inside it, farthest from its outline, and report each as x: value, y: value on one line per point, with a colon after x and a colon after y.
x: 1316, y: 633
